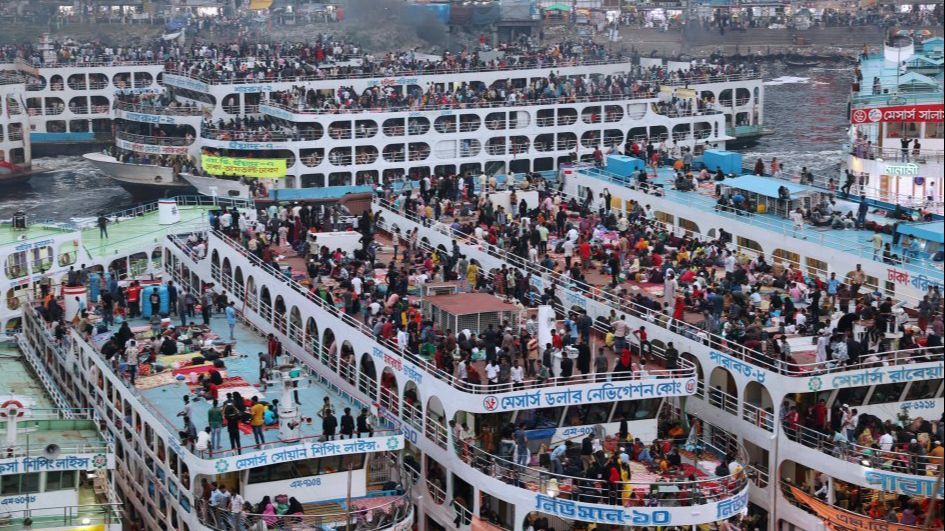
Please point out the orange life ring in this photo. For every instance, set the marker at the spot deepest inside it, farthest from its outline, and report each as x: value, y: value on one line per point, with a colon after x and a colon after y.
x: 4, y: 408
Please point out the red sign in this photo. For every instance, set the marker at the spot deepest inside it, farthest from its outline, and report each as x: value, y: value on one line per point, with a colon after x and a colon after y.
x: 931, y: 112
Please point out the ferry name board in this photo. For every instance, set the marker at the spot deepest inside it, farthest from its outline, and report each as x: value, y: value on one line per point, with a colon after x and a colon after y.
x: 26, y: 464
x: 296, y: 452
x: 260, y: 168
x: 642, y: 516
x: 929, y: 112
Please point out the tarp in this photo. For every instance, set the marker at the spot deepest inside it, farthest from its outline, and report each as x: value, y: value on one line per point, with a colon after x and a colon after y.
x: 766, y: 186
x: 838, y: 518
x: 261, y: 168
x: 260, y: 4
x: 933, y: 231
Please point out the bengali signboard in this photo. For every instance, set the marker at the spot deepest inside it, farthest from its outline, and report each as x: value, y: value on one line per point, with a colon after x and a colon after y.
x: 305, y: 450
x: 261, y: 168
x: 151, y: 149
x: 23, y: 465
x: 930, y: 112
x: 643, y: 516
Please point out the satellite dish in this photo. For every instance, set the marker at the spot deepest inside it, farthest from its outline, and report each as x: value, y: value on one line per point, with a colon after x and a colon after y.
x: 52, y: 451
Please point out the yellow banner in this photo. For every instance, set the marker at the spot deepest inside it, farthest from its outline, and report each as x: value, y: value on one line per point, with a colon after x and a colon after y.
x: 843, y: 520
x: 261, y: 168
x: 260, y: 4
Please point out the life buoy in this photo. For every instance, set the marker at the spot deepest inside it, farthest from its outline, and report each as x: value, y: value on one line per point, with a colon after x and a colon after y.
x: 11, y: 408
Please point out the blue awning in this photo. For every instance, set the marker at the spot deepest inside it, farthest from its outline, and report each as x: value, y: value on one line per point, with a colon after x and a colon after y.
x: 933, y: 231
x: 767, y: 186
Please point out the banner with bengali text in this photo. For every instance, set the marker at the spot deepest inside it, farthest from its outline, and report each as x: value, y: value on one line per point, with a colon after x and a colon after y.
x: 260, y: 168
x: 840, y: 519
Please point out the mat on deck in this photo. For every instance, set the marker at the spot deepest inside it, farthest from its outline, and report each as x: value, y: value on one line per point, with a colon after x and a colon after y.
x: 155, y: 380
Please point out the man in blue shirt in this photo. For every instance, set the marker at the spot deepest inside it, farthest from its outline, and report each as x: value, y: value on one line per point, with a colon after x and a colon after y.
x: 557, y: 455
x: 832, y: 286
x: 231, y: 319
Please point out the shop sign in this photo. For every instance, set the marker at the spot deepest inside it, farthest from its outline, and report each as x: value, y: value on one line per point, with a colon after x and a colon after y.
x: 901, y: 169
x: 899, y: 113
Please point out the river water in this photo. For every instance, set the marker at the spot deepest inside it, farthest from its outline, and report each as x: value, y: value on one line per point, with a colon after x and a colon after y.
x: 806, y: 109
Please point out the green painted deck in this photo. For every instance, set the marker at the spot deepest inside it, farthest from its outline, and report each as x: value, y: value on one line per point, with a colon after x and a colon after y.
x: 141, y: 232
x: 45, y: 425
x: 10, y: 235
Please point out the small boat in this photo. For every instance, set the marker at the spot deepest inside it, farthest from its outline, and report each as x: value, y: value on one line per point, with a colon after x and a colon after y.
x: 140, y: 180
x: 801, y: 63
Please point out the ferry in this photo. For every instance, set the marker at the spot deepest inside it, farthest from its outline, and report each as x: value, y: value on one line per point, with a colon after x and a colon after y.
x: 897, y: 143
x: 698, y: 424
x: 57, y: 470
x: 173, y: 128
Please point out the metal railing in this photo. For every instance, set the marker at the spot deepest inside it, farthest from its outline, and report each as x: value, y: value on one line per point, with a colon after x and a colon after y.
x: 687, y: 372
x: 240, y: 135
x: 659, y: 494
x: 366, y: 517
x: 892, y: 460
x: 154, y: 140
x: 677, y: 326
x: 162, y: 110
x: 758, y: 416
x: 893, y: 154
x: 695, y: 79
x: 73, y: 515
x: 784, y: 230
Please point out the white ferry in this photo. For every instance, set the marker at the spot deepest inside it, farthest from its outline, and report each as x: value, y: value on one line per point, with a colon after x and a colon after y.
x: 57, y: 467
x: 897, y: 136
x: 686, y: 104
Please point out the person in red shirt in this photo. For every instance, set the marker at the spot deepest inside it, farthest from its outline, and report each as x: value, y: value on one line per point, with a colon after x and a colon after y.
x: 557, y: 340
x: 133, y: 295
x: 646, y: 349
x: 791, y: 423
x: 584, y: 251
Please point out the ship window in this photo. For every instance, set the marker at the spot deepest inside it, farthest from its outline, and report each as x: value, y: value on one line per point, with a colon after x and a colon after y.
x: 16, y: 265
x: 935, y: 130
x: 887, y: 393
x: 19, y: 484
x: 852, y: 396
x: 923, y: 389
x: 689, y: 226
x: 749, y: 244
x: 665, y: 217
x: 313, y: 180
x: 548, y: 417
x: 60, y: 480
x: 781, y: 256
x: 637, y: 409
x: 339, y: 178
x: 816, y: 267
x: 910, y: 129
x: 589, y: 414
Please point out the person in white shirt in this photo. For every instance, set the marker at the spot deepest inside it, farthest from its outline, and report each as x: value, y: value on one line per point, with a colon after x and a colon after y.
x: 797, y: 219
x: 492, y: 373
x: 568, y: 252
x: 886, y: 442
x: 518, y: 375
x: 203, y: 440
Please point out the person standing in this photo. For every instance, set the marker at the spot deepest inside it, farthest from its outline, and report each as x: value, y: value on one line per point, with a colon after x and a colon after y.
x: 171, y: 297
x: 232, y: 415
x: 215, y: 421
x: 231, y: 319
x: 347, y: 424
x: 257, y: 420
x: 206, y: 306
x: 102, y: 223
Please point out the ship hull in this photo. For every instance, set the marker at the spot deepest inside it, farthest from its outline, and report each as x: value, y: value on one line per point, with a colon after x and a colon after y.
x: 140, y: 180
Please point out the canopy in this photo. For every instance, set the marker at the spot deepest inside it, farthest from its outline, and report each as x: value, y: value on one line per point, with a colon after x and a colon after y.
x: 558, y: 7
x: 933, y: 231
x: 767, y: 186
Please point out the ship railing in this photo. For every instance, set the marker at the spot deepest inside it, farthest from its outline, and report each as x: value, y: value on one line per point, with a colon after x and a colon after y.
x: 673, y: 113
x: 660, y: 493
x: 841, y: 447
x: 231, y: 109
x: 57, y: 517
x: 699, y: 201
x: 694, y: 80
x: 678, y: 326
x: 240, y: 135
x: 893, y: 154
x: 162, y: 110
x: 723, y: 400
x: 758, y: 416
x: 362, y: 516
x: 308, y: 111
x: 182, y: 201
x: 86, y: 64
x: 759, y: 474
x: 856, y: 190
x: 154, y: 140
x: 320, y: 437
x: 686, y: 370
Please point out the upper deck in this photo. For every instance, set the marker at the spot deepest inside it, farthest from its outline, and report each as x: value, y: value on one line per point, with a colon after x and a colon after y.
x: 918, y: 80
x: 845, y: 240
